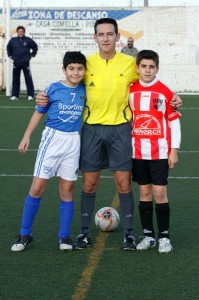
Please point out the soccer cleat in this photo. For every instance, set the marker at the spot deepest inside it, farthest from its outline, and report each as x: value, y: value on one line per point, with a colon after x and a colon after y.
x: 21, y: 242
x: 30, y: 98
x: 148, y: 242
x: 65, y: 244
x: 129, y: 242
x: 82, y: 242
x: 164, y: 246
x: 13, y: 98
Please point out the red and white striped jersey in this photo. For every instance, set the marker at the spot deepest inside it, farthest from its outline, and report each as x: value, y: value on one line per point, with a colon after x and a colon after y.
x: 152, y: 112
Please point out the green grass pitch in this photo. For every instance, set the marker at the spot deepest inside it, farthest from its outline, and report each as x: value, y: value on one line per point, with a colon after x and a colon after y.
x: 103, y: 271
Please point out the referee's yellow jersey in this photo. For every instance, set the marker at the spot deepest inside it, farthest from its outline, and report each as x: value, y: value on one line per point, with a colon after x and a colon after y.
x: 107, y: 88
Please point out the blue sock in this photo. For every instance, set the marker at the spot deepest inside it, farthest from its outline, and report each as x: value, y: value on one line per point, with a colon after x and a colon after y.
x: 66, y: 216
x: 31, y: 207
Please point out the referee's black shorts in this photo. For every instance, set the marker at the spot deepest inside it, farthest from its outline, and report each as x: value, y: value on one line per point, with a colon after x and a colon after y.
x: 106, y: 146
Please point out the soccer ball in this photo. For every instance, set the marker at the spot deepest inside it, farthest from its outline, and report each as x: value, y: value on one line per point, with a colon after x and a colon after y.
x: 107, y: 219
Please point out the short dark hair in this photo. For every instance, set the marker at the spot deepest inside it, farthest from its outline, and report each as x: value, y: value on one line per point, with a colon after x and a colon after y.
x: 21, y: 27
x: 106, y: 21
x: 147, y: 54
x: 74, y: 57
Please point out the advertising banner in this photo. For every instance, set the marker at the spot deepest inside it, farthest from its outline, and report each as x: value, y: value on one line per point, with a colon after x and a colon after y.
x: 172, y: 32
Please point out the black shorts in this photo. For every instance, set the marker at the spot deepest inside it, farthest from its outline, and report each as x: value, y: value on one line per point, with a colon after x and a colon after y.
x: 106, y: 146
x: 150, y: 171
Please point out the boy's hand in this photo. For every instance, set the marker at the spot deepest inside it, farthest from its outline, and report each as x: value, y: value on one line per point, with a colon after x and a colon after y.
x: 176, y: 101
x: 24, y: 145
x: 42, y: 99
x: 173, y: 158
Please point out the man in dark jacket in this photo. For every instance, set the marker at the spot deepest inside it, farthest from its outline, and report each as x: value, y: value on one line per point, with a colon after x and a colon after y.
x: 21, y: 49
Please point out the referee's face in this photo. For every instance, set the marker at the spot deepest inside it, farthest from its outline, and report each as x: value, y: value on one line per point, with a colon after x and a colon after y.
x: 106, y: 39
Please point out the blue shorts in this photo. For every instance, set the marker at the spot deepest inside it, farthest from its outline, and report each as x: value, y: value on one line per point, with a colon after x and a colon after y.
x: 150, y: 171
x: 106, y: 146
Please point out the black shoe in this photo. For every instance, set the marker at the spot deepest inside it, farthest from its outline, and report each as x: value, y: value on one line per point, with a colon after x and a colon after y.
x: 21, y: 242
x: 65, y: 244
x: 82, y: 242
x: 129, y: 242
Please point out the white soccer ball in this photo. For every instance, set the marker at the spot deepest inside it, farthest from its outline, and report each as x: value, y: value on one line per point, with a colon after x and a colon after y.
x: 107, y: 219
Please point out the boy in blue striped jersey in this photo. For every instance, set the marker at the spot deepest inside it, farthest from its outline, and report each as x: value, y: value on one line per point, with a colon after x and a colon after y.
x: 59, y: 149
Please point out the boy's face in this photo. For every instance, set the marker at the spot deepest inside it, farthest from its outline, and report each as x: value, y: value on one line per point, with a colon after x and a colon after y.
x: 74, y: 74
x: 106, y: 38
x: 147, y: 70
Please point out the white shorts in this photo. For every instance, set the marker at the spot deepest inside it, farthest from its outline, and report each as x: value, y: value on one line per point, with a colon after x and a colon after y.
x: 58, y: 154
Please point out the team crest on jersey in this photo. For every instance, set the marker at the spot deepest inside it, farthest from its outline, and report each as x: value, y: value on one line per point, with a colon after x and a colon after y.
x: 147, y: 126
x: 157, y: 103
x: 82, y: 98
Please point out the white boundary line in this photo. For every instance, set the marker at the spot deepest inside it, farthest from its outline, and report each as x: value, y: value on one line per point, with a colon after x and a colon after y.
x: 102, y: 176
x: 34, y: 150
x: 188, y: 151
x: 188, y: 108
x: 15, y: 150
x: 32, y: 107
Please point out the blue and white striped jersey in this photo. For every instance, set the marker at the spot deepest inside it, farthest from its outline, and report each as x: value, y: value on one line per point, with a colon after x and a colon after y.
x: 65, y: 108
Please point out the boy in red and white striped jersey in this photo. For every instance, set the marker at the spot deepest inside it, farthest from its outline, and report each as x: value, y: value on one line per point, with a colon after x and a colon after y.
x: 156, y: 136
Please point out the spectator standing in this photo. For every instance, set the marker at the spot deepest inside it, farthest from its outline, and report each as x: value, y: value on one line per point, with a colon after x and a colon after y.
x: 129, y: 49
x: 21, y: 49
